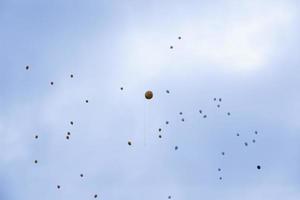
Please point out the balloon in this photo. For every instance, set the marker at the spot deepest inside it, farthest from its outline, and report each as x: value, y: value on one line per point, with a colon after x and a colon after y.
x: 258, y: 167
x: 148, y: 94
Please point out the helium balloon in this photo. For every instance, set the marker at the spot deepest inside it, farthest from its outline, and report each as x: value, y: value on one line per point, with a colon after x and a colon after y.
x: 148, y: 94
x: 258, y: 167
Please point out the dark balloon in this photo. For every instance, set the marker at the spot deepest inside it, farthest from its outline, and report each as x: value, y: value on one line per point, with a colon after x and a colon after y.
x: 258, y: 167
x: 148, y: 94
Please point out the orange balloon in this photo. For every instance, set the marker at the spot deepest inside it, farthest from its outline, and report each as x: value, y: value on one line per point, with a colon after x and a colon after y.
x: 148, y: 94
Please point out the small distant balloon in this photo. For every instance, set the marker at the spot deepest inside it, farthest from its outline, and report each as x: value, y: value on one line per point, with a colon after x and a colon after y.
x: 129, y: 143
x: 27, y: 67
x: 148, y: 94
x: 258, y: 167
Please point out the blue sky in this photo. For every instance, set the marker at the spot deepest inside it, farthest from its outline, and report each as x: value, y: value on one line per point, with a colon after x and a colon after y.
x: 245, y: 52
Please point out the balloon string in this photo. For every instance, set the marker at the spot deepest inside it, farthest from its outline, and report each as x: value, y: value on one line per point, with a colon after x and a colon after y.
x: 144, y: 125
x: 146, y: 119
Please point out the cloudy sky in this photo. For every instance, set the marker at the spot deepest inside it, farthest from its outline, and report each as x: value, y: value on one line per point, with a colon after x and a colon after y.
x: 245, y: 52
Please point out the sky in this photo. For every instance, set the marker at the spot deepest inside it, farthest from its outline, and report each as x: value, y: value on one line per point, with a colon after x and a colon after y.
x: 245, y: 52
